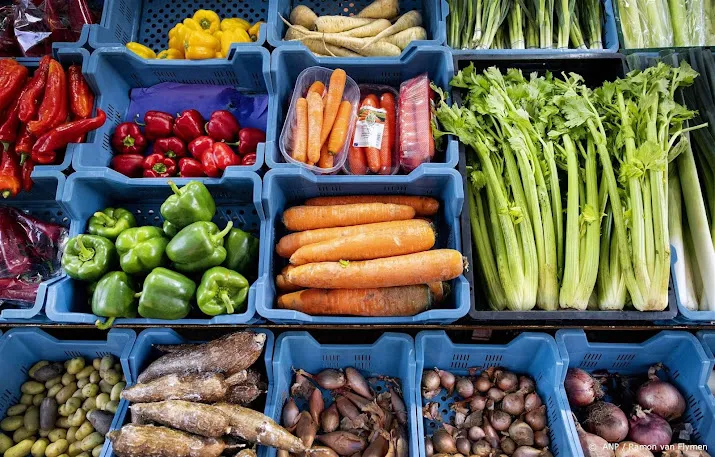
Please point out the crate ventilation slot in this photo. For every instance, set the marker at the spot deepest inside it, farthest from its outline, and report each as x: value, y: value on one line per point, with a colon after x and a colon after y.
x: 331, y: 360
x: 460, y: 361
x: 362, y: 361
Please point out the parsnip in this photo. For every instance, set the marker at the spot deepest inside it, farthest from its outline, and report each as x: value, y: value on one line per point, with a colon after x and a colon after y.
x: 406, y: 21
x: 336, y: 24
x: 368, y: 30
x: 381, y: 9
x: 303, y: 16
x: 404, y: 38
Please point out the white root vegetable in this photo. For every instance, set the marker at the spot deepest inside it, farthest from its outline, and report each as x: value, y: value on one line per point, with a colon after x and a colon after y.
x: 303, y: 16
x: 321, y: 48
x: 368, y: 30
x: 404, y: 38
x: 380, y: 48
x: 406, y: 21
x: 381, y: 9
x: 336, y: 24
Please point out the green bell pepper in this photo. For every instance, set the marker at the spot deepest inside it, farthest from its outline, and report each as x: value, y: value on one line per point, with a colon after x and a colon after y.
x: 241, y: 252
x: 88, y: 257
x: 141, y: 249
x: 221, y: 291
x: 170, y: 230
x: 192, y: 203
x: 166, y: 295
x: 114, y: 296
x: 110, y: 222
x: 198, y: 247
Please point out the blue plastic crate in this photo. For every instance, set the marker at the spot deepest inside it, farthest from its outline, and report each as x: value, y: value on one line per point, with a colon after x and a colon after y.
x: 238, y: 198
x: 145, y: 353
x: 283, y: 188
x: 43, y: 202
x: 148, y: 21
x: 434, y: 21
x: 21, y: 348
x: 608, y: 27
x: 113, y: 72
x: 393, y: 354
x: 707, y: 339
x: 680, y: 352
x: 287, y: 62
x: 533, y: 354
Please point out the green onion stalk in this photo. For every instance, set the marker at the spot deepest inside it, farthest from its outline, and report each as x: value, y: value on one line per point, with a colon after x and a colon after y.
x: 577, y: 41
x: 564, y: 10
x: 545, y: 19
x: 659, y: 33
x: 679, y: 22
x: 631, y: 26
x: 477, y: 35
x: 516, y: 28
x: 494, y: 13
x: 590, y: 20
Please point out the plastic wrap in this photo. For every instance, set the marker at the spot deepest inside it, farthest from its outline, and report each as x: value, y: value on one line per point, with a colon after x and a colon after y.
x: 709, y: 19
x: 377, y: 90
x: 415, y: 118
x: 306, y: 78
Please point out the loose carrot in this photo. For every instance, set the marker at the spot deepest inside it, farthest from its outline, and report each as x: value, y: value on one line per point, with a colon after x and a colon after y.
x: 288, y: 244
x: 326, y: 158
x: 390, y: 301
x: 340, y: 128
x: 404, y: 270
x: 372, y: 154
x: 387, y: 102
x: 282, y: 283
x: 407, y: 239
x: 318, y: 87
x: 315, y: 121
x: 439, y: 290
x: 300, y: 146
x: 315, y: 217
x: 424, y: 206
x: 332, y: 102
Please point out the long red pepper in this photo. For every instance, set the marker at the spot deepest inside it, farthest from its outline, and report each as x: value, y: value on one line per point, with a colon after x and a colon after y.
x: 12, y: 79
x: 29, y: 101
x: 61, y: 136
x: 10, y: 178
x: 81, y: 96
x: 53, y: 110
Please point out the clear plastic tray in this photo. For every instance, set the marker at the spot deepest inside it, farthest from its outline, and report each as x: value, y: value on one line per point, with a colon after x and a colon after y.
x: 305, y: 79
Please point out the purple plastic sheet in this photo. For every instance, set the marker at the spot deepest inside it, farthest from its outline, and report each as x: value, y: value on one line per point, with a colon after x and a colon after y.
x: 173, y: 98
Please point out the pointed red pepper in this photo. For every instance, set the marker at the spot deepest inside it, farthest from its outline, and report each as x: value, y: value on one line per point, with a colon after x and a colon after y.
x: 10, y: 175
x: 248, y: 140
x: 61, y: 136
x: 131, y: 165
x: 190, y: 168
x: 13, y: 77
x: 128, y: 139
x: 10, y: 125
x: 220, y: 157
x: 171, y: 147
x: 222, y: 126
x: 157, y: 124
x: 199, y: 146
x: 189, y: 125
x: 29, y: 101
x: 158, y: 166
x: 81, y: 96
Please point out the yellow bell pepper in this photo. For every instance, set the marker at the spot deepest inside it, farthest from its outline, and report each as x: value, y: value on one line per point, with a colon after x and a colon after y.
x: 228, y: 37
x: 253, y: 31
x: 200, y: 45
x: 141, y: 50
x: 232, y: 23
x: 177, y: 35
x: 207, y: 20
x: 170, y: 54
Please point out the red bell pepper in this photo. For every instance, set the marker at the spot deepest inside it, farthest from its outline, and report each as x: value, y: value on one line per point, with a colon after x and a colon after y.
x: 222, y: 126
x: 53, y: 110
x: 13, y: 77
x: 131, y: 165
x: 171, y: 147
x: 190, y: 168
x: 61, y: 136
x: 189, y: 125
x: 128, y: 139
x: 10, y: 174
x: 157, y: 124
x: 158, y: 166
x: 81, y: 96
x: 248, y: 140
x: 220, y: 157
x: 199, y: 146
x: 34, y: 90
x: 249, y: 159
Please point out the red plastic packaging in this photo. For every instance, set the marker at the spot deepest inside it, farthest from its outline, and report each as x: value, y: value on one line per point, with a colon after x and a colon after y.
x: 415, y: 118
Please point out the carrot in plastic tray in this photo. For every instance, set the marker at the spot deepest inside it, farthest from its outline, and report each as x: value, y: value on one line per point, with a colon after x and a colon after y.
x: 416, y: 109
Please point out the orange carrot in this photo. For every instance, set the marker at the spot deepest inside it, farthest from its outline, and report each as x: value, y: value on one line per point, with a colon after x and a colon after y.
x: 387, y: 102
x: 390, y: 301
x: 315, y: 217
x: 340, y: 128
x: 318, y: 87
x: 336, y: 86
x: 315, y: 120
x: 372, y: 154
x: 288, y: 244
x: 404, y: 270
x: 398, y: 240
x: 357, y: 163
x: 300, y: 146
x: 424, y: 206
x: 282, y: 283
x: 326, y: 158
x: 439, y: 290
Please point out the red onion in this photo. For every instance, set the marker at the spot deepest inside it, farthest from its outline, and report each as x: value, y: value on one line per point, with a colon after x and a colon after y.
x: 541, y: 438
x: 482, y: 384
x: 536, y: 418
x: 661, y: 397
x: 607, y: 421
x: 500, y: 420
x: 290, y: 413
x: 507, y: 381
x: 475, y: 433
x: 593, y: 445
x: 490, y: 434
x: 526, y: 384
x: 508, y: 445
x: 481, y: 449
x: 478, y: 403
x: 447, y: 380
x: 430, y: 380
x: 495, y: 394
x: 521, y: 433
x: 528, y: 451
x: 316, y: 405
x: 330, y: 379
x: 532, y: 401
x: 357, y: 383
x: 649, y: 429
x: 513, y: 403
x: 631, y: 449
x: 344, y: 443
x: 302, y: 386
x: 330, y: 419
x: 465, y: 388
x: 346, y: 407
x: 581, y: 388
x: 463, y: 445
x: 429, y: 448
x: 443, y: 442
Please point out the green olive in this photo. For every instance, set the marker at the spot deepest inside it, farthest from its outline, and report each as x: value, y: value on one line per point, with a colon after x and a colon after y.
x: 92, y: 441
x: 66, y: 393
x: 86, y: 371
x: 32, y: 388
x: 21, y: 449
x: 16, y: 410
x: 68, y: 379
x: 38, y: 449
x: 32, y: 419
x: 5, y: 443
x: 116, y: 393
x: 57, y: 434
x: 83, y: 431
x: 22, y: 434
x: 37, y: 366
x: 57, y: 448
x: 10, y: 424
x: 75, y: 365
x: 37, y: 399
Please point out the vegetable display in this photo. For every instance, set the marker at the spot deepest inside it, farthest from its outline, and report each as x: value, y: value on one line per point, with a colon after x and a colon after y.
x: 65, y: 408
x: 202, y: 36
x: 131, y: 269
x: 342, y: 414
x: 363, y: 256
x: 498, y: 413
x: 656, y: 417
x: 370, y: 33
x: 530, y: 252
x: 187, y: 145
x: 665, y: 23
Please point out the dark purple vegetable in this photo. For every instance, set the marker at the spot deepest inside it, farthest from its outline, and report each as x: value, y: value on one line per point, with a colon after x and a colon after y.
x: 661, y: 397
x: 582, y: 389
x: 607, y: 421
x: 649, y: 429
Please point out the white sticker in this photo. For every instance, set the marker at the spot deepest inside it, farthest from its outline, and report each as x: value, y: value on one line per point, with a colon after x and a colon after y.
x: 369, y: 127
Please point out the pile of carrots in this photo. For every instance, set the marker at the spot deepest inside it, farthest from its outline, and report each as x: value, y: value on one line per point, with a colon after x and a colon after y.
x: 364, y: 255
x: 322, y: 121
